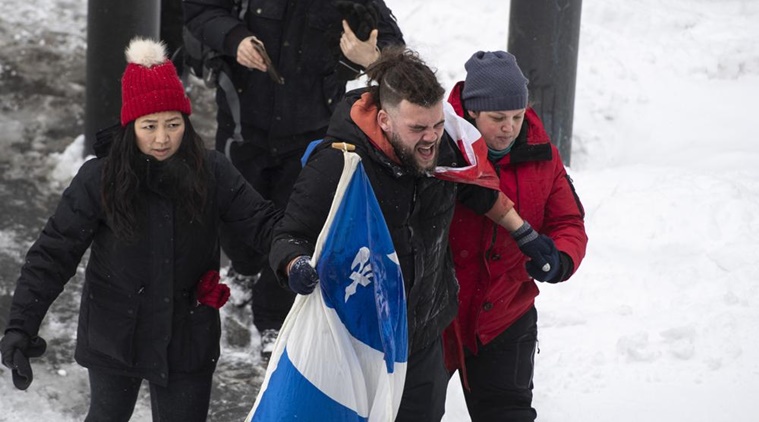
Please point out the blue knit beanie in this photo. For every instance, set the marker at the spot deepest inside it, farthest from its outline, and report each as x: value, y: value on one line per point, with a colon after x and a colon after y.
x: 494, y: 82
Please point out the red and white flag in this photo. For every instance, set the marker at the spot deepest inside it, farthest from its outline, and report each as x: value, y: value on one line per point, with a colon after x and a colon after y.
x: 477, y: 169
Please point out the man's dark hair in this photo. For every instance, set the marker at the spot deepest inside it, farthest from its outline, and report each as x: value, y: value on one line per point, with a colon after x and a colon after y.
x: 400, y: 74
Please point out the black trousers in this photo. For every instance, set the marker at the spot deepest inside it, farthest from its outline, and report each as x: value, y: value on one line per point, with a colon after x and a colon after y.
x: 426, y: 386
x: 500, y: 376
x: 273, y: 177
x: 186, y: 397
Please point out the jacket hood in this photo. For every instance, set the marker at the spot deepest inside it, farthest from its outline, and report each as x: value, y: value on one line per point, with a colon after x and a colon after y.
x: 104, y: 139
x: 359, y: 122
x: 355, y: 122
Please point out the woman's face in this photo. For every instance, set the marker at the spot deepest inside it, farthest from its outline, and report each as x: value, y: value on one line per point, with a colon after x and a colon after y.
x: 499, y: 129
x: 159, y: 134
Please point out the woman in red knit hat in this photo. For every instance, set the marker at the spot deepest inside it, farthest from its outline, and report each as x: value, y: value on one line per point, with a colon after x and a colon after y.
x: 149, y: 208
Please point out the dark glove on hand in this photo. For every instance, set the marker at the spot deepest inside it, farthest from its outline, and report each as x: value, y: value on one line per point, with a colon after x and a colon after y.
x: 544, y: 263
x: 16, y: 348
x: 303, y: 277
x: 210, y: 292
x: 362, y: 20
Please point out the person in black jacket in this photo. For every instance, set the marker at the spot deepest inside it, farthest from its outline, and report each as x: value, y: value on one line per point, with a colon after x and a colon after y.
x: 397, y: 128
x: 313, y: 44
x: 149, y: 210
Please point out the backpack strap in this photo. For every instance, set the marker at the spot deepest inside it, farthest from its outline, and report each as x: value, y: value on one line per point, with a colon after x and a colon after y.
x: 233, y: 101
x: 309, y: 149
x: 230, y: 93
x: 243, y: 5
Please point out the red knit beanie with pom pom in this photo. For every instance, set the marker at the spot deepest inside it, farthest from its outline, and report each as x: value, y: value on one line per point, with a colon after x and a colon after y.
x: 150, y: 83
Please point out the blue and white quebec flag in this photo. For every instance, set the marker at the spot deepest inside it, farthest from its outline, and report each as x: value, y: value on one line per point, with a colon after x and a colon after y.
x: 341, y: 354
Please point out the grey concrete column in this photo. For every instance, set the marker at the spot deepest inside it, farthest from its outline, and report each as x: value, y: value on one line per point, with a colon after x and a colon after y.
x: 544, y: 36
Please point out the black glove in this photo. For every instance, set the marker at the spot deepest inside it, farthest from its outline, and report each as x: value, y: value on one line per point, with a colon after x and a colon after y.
x: 544, y: 263
x: 303, y: 277
x: 362, y: 20
x: 16, y: 348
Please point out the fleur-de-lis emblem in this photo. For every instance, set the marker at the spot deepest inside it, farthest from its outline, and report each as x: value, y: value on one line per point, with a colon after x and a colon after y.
x: 363, y: 275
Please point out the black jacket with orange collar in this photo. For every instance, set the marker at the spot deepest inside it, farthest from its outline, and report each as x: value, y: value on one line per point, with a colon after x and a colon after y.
x: 417, y: 210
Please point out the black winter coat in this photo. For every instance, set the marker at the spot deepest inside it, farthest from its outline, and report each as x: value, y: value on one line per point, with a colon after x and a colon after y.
x: 139, y: 316
x: 302, y: 39
x: 417, y: 209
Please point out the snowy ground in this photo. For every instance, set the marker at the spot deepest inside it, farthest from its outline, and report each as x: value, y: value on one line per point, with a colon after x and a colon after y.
x: 661, y: 323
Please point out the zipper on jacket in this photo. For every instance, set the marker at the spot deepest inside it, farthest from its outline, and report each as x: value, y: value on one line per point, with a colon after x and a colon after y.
x: 415, y: 276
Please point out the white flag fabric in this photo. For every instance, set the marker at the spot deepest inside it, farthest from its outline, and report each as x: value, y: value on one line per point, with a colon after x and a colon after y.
x: 476, y: 170
x: 342, y: 352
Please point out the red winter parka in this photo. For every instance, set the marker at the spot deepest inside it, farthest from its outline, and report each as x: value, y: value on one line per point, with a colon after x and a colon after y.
x: 495, y: 289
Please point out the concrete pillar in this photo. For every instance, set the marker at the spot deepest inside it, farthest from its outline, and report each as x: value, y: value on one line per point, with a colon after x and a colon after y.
x: 544, y: 36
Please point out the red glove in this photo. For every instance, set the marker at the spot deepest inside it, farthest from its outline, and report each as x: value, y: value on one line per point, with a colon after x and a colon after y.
x: 211, y: 292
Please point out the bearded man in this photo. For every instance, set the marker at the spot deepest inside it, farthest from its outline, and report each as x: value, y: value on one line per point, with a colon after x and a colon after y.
x: 397, y: 125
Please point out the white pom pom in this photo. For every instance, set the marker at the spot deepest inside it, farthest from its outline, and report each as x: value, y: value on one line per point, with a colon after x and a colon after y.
x: 145, y: 52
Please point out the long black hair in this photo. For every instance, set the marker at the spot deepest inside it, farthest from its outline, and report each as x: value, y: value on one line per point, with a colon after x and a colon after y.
x: 126, y: 173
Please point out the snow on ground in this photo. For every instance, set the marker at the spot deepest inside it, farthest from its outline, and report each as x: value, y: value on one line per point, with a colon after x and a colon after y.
x: 661, y: 323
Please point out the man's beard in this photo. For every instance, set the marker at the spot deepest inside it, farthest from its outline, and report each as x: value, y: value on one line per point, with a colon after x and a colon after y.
x: 408, y: 159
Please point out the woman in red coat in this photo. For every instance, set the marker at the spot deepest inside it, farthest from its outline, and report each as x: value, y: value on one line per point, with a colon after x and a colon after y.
x: 494, y: 337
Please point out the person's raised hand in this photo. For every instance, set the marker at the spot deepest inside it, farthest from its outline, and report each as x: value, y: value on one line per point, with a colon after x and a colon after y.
x: 360, y: 52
